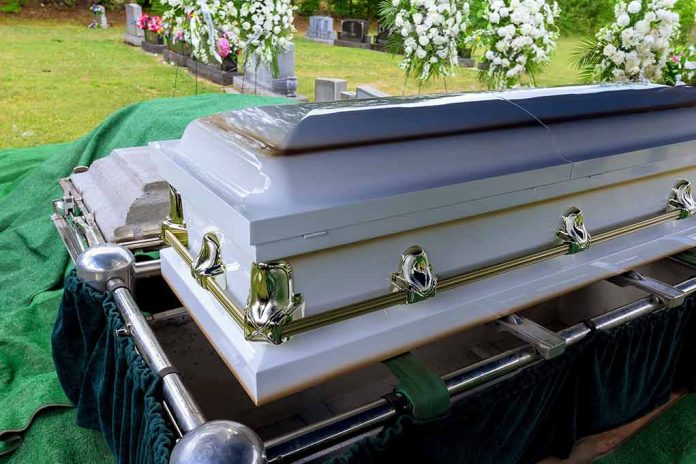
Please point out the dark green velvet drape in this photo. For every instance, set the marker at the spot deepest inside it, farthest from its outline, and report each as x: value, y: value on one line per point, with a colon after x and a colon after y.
x: 609, y: 379
x: 112, y: 388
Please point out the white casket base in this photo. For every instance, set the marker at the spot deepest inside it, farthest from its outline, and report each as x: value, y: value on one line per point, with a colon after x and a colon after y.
x: 269, y: 372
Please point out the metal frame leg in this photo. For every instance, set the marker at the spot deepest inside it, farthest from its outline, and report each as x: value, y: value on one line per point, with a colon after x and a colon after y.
x: 111, y: 267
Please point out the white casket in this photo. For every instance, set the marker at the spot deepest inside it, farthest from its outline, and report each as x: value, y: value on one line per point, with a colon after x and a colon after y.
x: 307, y: 240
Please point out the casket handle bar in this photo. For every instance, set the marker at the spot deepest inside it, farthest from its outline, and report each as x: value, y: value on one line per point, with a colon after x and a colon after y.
x: 414, y: 280
x: 107, y: 267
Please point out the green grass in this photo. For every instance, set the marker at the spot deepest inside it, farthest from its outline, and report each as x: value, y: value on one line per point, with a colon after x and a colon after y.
x: 382, y: 70
x: 59, y: 80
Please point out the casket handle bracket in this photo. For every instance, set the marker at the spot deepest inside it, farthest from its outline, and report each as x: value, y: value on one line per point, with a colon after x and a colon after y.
x: 272, y: 302
x: 573, y: 232
x: 174, y: 222
x: 209, y: 264
x: 680, y: 199
x: 415, y: 276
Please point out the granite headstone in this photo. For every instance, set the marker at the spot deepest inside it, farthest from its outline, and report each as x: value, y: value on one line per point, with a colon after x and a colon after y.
x: 321, y: 29
x: 327, y: 89
x: 134, y: 35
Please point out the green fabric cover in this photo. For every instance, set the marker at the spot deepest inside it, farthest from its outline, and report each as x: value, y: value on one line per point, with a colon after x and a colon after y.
x: 32, y: 256
x: 630, y: 370
x: 522, y: 418
x: 423, y: 388
x: 607, y: 380
x: 54, y: 438
x: 103, y: 375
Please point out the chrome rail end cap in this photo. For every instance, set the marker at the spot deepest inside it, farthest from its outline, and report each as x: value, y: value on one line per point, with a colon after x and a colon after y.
x: 219, y: 442
x: 99, y: 264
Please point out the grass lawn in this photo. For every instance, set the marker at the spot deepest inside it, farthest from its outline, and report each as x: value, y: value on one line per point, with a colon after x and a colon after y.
x: 59, y: 79
x: 382, y: 70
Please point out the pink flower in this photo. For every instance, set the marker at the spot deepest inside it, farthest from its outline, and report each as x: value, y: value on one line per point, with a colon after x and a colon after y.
x: 143, y: 21
x: 155, y: 24
x: 676, y: 58
x: 223, y: 47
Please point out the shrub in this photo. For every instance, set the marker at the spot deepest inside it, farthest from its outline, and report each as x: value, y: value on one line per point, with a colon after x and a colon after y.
x: 687, y: 11
x: 308, y: 7
x: 11, y: 6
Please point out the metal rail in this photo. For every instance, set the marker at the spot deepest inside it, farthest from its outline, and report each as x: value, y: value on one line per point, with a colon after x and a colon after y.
x: 297, y: 326
x: 226, y: 439
x: 309, y: 440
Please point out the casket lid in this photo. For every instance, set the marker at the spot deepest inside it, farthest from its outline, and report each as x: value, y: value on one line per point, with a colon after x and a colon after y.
x: 292, y: 129
x: 299, y: 171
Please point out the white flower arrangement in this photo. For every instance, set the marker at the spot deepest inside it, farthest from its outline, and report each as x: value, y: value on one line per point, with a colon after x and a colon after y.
x: 266, y: 28
x: 208, y: 26
x: 427, y: 32
x: 636, y: 46
x: 519, y: 38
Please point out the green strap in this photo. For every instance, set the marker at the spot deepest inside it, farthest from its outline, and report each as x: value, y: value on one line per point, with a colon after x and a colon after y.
x: 424, y: 389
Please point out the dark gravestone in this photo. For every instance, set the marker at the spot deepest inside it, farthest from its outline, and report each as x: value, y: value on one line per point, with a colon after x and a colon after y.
x: 153, y: 43
x: 178, y: 52
x: 382, y: 38
x: 353, y: 34
x: 219, y: 73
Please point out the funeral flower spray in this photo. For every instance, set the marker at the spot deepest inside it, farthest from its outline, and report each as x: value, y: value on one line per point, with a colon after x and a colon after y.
x: 427, y: 31
x: 518, y: 39
x: 635, y: 47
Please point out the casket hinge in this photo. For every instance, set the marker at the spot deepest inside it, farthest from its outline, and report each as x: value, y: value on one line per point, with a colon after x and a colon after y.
x: 174, y: 222
x: 271, y: 303
x: 415, y: 276
x: 573, y: 232
x: 209, y: 264
x: 680, y: 199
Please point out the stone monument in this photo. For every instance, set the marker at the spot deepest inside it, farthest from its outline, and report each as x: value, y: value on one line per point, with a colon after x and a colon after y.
x: 258, y: 78
x: 327, y: 89
x: 133, y: 35
x: 98, y: 17
x: 382, y: 38
x: 321, y: 29
x: 354, y: 34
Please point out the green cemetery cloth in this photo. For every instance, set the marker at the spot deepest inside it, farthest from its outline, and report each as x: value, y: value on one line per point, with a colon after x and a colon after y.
x: 104, y: 376
x: 669, y: 439
x: 54, y: 438
x: 32, y: 257
x: 609, y: 379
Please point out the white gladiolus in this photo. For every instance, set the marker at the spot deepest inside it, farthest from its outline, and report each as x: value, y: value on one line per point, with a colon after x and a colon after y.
x: 520, y: 36
x: 429, y: 30
x: 267, y: 28
x: 636, y: 46
x: 634, y: 7
x: 202, y: 24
